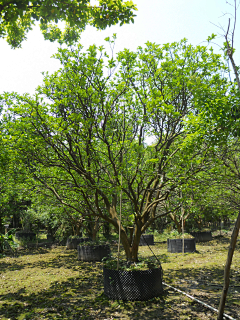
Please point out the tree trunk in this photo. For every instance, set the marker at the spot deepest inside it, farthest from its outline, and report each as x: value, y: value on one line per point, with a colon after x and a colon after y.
x: 95, y: 230
x: 106, y: 230
x: 227, y: 268
x: 131, y: 229
x: 77, y: 228
x: 92, y: 228
x: 131, y: 250
x: 177, y: 224
x: 126, y: 244
x: 135, y: 245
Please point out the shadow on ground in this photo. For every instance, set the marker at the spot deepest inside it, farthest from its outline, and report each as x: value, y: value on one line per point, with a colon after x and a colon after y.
x: 80, y: 295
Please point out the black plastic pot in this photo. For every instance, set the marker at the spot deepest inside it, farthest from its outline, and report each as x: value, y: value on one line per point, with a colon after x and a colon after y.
x: 73, y: 243
x: 137, y: 285
x: 93, y: 252
x: 175, y: 245
x: 146, y: 239
x: 202, y: 236
x: 25, y: 235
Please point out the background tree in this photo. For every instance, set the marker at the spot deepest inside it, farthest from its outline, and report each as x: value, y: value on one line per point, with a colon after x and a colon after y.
x: 14, y: 197
x: 226, y: 120
x: 207, y: 196
x: 18, y: 17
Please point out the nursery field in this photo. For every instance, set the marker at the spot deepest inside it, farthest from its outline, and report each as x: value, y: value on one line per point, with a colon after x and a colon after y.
x: 50, y: 283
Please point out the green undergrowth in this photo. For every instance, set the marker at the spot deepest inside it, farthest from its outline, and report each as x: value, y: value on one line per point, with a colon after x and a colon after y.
x: 162, y: 237
x: 145, y: 263
x: 52, y: 284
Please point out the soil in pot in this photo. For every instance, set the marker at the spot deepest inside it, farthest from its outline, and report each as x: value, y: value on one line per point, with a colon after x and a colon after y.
x: 202, y: 236
x: 175, y: 245
x: 137, y: 285
x: 146, y: 239
x: 93, y: 252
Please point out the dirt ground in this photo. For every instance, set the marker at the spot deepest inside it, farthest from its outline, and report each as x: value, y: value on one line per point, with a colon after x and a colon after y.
x: 50, y: 283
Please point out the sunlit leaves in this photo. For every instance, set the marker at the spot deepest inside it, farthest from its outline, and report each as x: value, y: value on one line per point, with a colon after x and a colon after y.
x: 18, y: 17
x: 85, y: 130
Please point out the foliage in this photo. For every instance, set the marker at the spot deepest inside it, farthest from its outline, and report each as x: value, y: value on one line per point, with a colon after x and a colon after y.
x: 7, y: 241
x: 25, y: 241
x: 82, y: 137
x: 14, y: 191
x: 174, y: 234
x: 141, y: 264
x: 18, y: 17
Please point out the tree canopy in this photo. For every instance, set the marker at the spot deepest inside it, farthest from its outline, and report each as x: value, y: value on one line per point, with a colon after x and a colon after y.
x: 83, y: 135
x: 18, y: 16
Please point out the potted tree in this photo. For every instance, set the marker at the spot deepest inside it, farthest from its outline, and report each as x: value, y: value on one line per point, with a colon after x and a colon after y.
x: 202, y: 236
x: 93, y: 251
x: 181, y: 243
x: 131, y: 282
x: 146, y: 239
x: 89, y: 142
x: 74, y: 241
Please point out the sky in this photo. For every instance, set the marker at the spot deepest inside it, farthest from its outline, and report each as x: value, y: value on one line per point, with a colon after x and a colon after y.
x: 158, y: 21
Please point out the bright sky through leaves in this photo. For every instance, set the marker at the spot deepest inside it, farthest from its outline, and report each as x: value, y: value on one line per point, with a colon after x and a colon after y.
x: 157, y: 21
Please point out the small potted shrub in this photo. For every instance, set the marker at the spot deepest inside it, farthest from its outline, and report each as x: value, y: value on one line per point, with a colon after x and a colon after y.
x: 93, y: 251
x: 25, y: 235
x: 74, y: 241
x: 175, y: 242
x: 146, y: 239
x: 202, y: 236
x: 133, y: 281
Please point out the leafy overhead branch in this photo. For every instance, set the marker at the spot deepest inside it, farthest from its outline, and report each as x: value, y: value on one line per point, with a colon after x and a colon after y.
x: 18, y: 17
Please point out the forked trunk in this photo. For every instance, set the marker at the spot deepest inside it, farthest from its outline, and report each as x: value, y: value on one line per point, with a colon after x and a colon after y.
x: 131, y: 247
x: 93, y: 228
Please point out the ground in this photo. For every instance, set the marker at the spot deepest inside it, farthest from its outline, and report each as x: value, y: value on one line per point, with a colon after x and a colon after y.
x: 50, y: 283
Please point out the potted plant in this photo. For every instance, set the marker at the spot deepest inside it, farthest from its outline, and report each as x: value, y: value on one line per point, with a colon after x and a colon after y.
x: 202, y: 236
x: 93, y: 251
x: 146, y: 239
x: 74, y: 241
x: 25, y: 235
x: 132, y: 281
x: 175, y: 243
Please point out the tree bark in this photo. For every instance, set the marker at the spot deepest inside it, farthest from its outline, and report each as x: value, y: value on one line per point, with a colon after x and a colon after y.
x: 227, y: 268
x: 237, y: 225
x: 131, y: 250
x: 126, y: 245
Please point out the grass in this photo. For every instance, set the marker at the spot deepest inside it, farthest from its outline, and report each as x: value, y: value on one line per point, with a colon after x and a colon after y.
x: 52, y: 284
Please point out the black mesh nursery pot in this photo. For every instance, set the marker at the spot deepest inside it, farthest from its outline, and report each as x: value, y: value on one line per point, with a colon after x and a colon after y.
x: 175, y: 245
x: 73, y: 243
x: 93, y: 252
x: 25, y: 235
x: 146, y: 239
x: 202, y: 236
x: 137, y: 285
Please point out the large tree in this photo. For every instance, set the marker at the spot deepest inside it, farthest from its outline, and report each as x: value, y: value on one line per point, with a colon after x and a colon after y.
x: 18, y: 16
x: 83, y: 135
